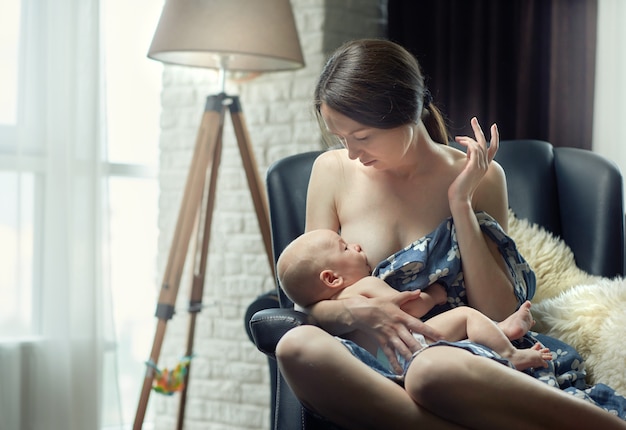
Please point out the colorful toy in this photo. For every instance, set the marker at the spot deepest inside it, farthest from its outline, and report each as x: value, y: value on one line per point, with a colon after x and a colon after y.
x: 168, y: 382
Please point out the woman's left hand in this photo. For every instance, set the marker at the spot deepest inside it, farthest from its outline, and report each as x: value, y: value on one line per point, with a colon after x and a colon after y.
x: 479, y: 155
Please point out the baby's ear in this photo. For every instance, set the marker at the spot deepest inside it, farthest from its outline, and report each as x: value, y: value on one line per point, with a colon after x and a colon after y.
x: 331, y: 279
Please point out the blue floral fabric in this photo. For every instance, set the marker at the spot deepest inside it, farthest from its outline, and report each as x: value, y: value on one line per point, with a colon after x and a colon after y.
x: 436, y: 258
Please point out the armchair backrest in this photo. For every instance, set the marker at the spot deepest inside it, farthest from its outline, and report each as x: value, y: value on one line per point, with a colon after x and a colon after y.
x: 574, y: 193
x: 287, y: 182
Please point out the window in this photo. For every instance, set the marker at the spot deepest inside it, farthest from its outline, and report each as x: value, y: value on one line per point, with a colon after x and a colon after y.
x: 127, y: 240
x: 20, y: 187
x: 133, y: 84
x: 16, y: 254
x: 9, y: 38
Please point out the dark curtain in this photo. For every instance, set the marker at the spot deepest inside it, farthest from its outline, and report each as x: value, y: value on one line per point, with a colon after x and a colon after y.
x: 527, y: 65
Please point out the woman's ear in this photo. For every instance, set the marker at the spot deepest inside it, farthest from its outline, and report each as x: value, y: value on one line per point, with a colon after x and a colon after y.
x: 331, y: 279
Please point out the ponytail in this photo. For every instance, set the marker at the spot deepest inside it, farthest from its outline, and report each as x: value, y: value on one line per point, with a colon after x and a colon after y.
x: 435, y: 123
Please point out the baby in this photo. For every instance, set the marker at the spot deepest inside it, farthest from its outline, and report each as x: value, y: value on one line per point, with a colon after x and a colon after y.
x: 320, y: 265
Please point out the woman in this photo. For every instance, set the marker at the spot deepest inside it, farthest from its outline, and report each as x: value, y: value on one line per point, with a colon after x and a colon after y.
x: 394, y: 182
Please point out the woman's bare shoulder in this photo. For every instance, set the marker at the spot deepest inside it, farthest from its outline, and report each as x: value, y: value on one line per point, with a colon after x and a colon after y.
x: 453, y: 157
x: 331, y: 157
x: 331, y: 166
x: 458, y: 157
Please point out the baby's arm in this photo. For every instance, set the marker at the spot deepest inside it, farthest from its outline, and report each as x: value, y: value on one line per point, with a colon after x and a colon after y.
x: 376, y: 287
x: 431, y: 296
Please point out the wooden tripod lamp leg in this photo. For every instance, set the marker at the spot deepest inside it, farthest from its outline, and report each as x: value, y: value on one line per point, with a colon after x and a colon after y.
x: 199, y: 271
x: 207, y: 154
x: 209, y: 134
x: 254, y: 182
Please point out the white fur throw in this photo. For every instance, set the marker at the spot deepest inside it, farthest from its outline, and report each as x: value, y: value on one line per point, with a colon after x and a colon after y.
x: 585, y: 311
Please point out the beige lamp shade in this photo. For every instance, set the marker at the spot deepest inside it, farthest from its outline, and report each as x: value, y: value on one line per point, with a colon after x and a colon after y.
x: 246, y: 35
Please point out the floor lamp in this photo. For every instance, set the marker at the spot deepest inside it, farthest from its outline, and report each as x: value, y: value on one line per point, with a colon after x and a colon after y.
x: 228, y: 35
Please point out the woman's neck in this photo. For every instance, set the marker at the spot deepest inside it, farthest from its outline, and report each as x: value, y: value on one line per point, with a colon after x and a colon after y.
x: 420, y: 157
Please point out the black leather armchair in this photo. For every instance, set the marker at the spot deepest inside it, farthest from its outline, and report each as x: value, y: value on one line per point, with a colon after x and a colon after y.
x: 574, y: 193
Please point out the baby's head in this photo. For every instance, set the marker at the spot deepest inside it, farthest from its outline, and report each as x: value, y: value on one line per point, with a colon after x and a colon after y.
x: 319, y: 264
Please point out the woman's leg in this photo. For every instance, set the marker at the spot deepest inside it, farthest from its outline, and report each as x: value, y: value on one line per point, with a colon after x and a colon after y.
x: 327, y: 378
x: 480, y: 393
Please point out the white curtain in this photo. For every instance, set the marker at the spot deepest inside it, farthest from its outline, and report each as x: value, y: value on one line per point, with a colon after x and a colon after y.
x: 609, y: 123
x: 54, y: 380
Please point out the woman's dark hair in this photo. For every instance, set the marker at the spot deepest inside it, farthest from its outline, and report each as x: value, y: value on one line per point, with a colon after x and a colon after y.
x: 379, y: 84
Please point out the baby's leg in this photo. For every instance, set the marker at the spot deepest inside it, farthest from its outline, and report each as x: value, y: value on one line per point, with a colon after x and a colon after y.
x: 468, y: 323
x: 518, y: 323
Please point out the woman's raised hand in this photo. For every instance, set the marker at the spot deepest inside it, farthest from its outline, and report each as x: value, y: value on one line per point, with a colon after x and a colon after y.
x: 391, y: 327
x: 479, y: 155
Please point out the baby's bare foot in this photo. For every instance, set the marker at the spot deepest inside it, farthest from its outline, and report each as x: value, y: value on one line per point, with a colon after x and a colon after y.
x: 518, y: 323
x: 536, y: 356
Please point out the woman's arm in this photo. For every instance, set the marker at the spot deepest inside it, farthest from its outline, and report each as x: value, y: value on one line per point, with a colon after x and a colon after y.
x: 321, y: 200
x: 482, y: 186
x: 321, y: 213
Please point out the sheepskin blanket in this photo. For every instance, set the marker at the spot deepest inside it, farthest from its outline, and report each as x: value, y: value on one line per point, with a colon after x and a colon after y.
x: 587, y: 312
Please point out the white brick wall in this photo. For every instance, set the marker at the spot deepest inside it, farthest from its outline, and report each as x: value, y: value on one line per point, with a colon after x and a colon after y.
x: 229, y: 387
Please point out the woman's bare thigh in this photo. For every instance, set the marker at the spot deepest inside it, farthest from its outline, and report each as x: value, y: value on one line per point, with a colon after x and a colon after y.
x: 482, y: 393
x: 327, y: 378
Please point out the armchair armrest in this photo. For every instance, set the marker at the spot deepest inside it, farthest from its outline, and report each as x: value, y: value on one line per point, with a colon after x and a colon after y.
x: 269, y: 325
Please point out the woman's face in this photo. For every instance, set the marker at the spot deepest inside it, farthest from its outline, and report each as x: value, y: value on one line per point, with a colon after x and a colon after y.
x: 379, y: 148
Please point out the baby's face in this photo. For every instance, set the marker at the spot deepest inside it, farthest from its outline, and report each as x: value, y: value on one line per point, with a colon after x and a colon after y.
x: 348, y: 260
